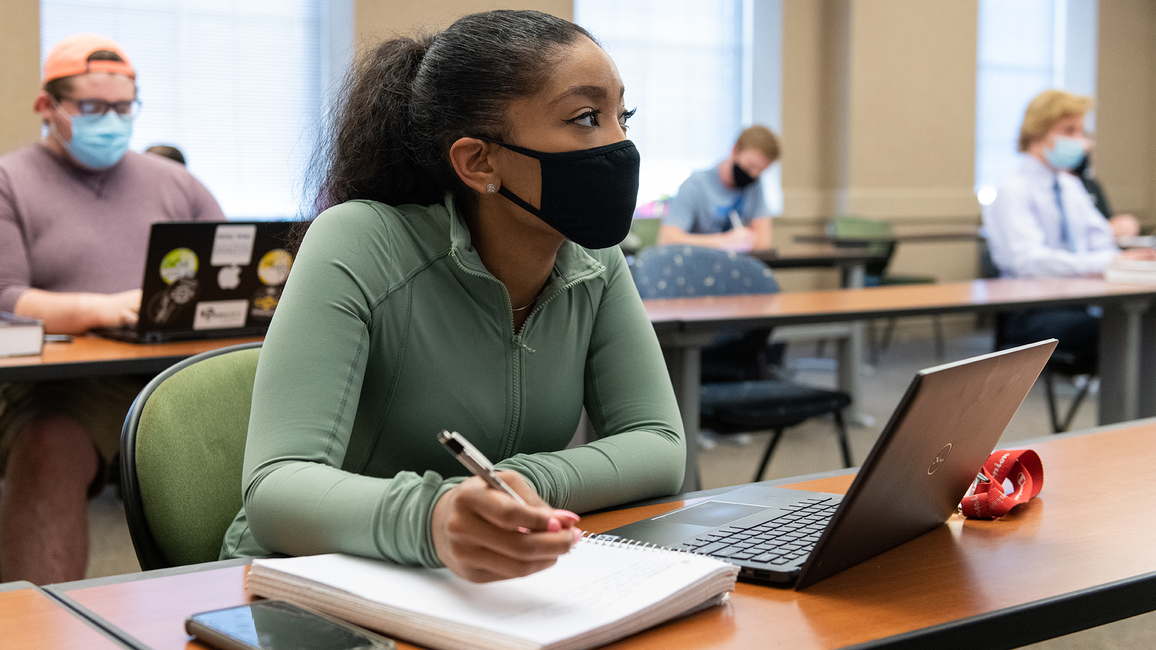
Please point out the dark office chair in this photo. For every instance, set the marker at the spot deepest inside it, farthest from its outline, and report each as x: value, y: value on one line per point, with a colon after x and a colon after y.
x: 182, y: 448
x: 750, y: 397
x: 877, y: 233
x: 1069, y: 363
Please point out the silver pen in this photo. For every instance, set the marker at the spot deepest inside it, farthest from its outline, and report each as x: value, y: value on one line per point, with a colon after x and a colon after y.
x: 475, y: 461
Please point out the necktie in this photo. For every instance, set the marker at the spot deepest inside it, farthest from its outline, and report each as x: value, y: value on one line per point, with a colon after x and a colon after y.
x: 1065, y: 228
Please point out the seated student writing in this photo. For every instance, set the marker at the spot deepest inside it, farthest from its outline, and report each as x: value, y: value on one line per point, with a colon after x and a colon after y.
x: 464, y: 276
x: 723, y: 207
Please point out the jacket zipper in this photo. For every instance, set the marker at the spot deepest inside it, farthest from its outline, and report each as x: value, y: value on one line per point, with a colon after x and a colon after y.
x: 519, y: 349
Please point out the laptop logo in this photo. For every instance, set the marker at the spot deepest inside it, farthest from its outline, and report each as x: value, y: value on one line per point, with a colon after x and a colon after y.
x: 940, y: 459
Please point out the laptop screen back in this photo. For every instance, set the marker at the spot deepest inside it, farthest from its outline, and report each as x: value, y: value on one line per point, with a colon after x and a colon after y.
x: 943, y: 430
x: 206, y: 277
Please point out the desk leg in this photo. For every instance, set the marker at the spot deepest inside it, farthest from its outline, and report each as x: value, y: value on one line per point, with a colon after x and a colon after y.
x: 1122, y: 338
x: 850, y: 352
x: 1147, y: 397
x: 855, y: 276
x: 684, y: 363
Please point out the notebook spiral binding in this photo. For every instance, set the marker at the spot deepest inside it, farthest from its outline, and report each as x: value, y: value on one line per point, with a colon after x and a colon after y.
x: 622, y: 542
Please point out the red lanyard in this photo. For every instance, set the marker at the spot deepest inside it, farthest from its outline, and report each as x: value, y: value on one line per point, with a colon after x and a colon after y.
x: 988, y: 501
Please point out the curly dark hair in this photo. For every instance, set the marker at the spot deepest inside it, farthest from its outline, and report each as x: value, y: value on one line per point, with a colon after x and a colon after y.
x: 409, y: 99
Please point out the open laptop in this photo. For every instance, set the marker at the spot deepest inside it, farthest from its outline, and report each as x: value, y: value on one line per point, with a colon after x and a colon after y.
x: 209, y: 279
x: 923, y: 463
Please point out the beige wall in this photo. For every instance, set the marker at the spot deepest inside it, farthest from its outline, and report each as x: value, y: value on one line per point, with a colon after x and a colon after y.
x: 1125, y: 157
x: 379, y: 19
x: 19, y: 73
x: 911, y: 108
x: 879, y: 108
x: 814, y: 103
x: 879, y: 121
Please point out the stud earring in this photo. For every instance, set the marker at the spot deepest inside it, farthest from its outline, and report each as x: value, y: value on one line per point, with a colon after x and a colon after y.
x: 491, y: 188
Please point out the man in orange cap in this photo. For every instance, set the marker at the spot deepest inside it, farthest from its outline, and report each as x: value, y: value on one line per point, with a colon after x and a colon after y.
x: 75, y: 214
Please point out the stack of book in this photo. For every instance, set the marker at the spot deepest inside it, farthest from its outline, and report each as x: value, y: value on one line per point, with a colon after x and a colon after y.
x: 19, y: 335
x: 1131, y: 272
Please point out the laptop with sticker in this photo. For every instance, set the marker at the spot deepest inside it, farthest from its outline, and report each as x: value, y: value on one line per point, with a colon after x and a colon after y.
x: 922, y: 464
x: 206, y: 279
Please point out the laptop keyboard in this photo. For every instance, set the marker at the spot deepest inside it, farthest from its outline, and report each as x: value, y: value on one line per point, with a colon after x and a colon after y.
x: 778, y: 542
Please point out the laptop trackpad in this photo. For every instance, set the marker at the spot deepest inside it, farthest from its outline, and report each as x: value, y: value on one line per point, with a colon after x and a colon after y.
x: 711, y: 513
x: 674, y: 528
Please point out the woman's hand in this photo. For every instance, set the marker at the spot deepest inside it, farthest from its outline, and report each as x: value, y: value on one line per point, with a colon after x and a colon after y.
x: 483, y: 535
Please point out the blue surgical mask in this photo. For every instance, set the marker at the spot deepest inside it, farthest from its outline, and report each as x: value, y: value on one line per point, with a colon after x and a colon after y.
x: 1066, y: 153
x: 99, y: 141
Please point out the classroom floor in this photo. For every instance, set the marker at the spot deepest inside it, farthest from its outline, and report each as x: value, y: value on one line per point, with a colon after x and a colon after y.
x: 810, y: 447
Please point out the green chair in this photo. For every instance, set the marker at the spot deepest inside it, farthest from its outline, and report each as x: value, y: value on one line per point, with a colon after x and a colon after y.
x: 182, y: 447
x: 643, y: 234
x: 647, y: 231
x: 878, y: 237
x: 647, y: 222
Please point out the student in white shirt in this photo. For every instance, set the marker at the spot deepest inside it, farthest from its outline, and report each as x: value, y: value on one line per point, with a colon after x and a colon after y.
x: 1043, y: 223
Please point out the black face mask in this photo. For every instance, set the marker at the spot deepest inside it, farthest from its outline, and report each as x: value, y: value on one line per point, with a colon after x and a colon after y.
x: 742, y: 178
x: 587, y: 195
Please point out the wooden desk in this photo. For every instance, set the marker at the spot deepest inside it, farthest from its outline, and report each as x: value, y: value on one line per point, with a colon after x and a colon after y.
x: 30, y: 618
x: 1127, y: 333
x: 1078, y: 556
x: 93, y: 356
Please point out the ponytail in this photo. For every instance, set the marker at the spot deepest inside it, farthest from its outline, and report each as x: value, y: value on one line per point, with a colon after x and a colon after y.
x: 410, y: 99
x: 369, y: 156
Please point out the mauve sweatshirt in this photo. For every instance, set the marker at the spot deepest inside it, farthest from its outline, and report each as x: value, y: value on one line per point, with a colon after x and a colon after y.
x: 64, y: 228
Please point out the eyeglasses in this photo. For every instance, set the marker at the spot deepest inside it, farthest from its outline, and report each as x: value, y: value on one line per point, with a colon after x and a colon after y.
x: 98, y: 107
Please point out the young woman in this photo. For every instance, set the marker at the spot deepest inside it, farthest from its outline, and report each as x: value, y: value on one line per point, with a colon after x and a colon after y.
x: 464, y: 276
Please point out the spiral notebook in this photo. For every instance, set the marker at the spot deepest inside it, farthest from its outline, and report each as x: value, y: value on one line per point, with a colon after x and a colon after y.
x: 598, y: 592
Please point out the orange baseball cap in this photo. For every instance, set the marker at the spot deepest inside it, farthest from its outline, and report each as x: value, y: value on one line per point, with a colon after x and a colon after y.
x: 70, y: 57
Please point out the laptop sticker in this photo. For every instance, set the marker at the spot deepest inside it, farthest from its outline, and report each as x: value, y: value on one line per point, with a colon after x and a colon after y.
x: 272, y: 270
x: 166, y: 304
x: 265, y: 302
x: 274, y: 267
x: 178, y: 263
x: 220, y: 314
x: 233, y: 245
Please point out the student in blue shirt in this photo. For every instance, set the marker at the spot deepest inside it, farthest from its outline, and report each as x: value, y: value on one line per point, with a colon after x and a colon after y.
x: 723, y: 207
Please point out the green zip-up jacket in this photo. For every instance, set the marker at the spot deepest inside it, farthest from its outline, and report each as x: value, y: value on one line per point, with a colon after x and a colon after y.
x: 390, y: 329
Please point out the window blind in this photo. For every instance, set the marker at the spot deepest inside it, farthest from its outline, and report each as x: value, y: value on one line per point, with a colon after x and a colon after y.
x: 682, y: 64
x: 236, y: 85
x: 1025, y: 47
